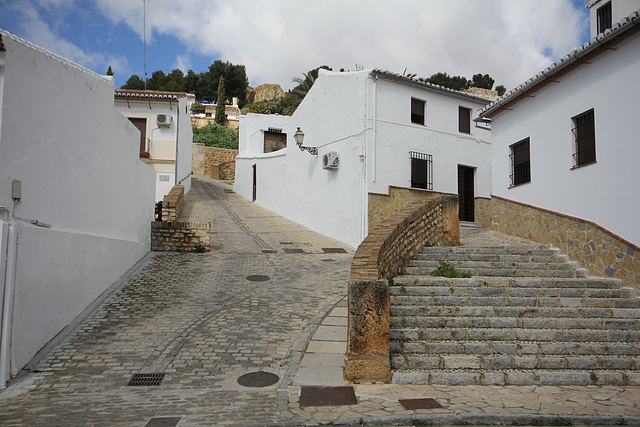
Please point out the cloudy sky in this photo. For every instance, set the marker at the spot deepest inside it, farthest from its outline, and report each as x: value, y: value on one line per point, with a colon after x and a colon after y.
x: 280, y: 39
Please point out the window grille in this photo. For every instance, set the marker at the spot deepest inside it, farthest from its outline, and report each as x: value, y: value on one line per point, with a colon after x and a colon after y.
x: 421, y: 170
x: 417, y: 111
x: 585, y: 139
x: 520, y: 162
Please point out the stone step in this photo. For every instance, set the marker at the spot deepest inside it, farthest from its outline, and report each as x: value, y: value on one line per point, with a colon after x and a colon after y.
x: 499, y: 301
x: 517, y: 334
x: 499, y: 362
x: 516, y: 377
x: 518, y: 312
x: 511, y: 292
x: 510, y: 348
x: 531, y: 250
x: 451, y: 257
x: 505, y: 272
x: 485, y: 265
x: 513, y: 322
x: 521, y: 282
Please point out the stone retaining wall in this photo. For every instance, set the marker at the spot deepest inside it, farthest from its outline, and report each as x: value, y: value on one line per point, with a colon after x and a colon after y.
x: 224, y: 158
x: 180, y: 236
x: 382, y: 206
x: 172, y: 204
x: 382, y: 255
x: 603, y: 253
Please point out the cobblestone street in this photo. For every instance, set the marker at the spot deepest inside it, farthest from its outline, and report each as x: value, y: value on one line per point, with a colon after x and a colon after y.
x: 197, y: 319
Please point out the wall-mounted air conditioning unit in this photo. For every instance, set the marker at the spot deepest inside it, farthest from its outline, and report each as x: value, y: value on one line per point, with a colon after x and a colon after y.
x: 330, y: 160
x: 164, y: 120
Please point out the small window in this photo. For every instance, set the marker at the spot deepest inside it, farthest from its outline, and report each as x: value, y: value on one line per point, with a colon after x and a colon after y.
x: 584, y: 135
x: 421, y: 170
x: 274, y: 140
x: 417, y: 111
x: 604, y: 18
x: 464, y: 120
x: 520, y: 162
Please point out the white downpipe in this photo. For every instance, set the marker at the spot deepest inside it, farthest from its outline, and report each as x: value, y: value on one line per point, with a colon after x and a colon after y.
x: 7, y: 312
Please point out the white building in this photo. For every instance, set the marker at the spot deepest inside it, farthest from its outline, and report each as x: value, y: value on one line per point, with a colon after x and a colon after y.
x: 386, y: 130
x: 164, y: 122
x: 562, y: 142
x: 75, y: 200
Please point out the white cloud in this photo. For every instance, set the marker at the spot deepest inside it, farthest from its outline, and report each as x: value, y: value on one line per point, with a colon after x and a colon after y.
x: 182, y: 63
x: 281, y: 39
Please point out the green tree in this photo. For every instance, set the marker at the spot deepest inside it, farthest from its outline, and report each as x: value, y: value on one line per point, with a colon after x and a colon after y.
x: 220, y: 108
x: 109, y: 71
x: 216, y: 135
x: 190, y: 85
x: 501, y: 90
x: 445, y: 80
x: 157, y: 81
x: 134, y: 82
x: 482, y: 81
x: 197, y: 108
x: 235, y: 81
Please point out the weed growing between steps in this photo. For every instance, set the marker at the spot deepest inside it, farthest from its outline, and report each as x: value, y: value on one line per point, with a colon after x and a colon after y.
x: 447, y: 269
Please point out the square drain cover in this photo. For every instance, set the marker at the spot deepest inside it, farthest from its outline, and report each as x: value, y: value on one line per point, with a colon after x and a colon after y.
x: 412, y: 404
x: 293, y: 251
x: 327, y: 396
x: 146, y: 379
x: 334, y: 251
x: 163, y: 422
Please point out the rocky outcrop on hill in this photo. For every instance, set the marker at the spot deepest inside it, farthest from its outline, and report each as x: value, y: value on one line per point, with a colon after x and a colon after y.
x: 264, y: 92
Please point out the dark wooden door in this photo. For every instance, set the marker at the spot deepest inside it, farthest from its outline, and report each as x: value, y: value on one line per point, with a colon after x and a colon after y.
x: 255, y: 183
x: 466, y: 193
x: 141, y: 124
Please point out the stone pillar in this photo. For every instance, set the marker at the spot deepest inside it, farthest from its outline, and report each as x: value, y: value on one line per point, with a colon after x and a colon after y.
x: 450, y: 221
x: 368, y: 332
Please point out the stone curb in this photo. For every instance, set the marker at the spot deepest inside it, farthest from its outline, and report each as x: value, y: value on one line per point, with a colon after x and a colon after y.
x: 490, y: 419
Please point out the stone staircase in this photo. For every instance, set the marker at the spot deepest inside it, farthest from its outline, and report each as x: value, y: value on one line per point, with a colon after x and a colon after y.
x: 528, y: 316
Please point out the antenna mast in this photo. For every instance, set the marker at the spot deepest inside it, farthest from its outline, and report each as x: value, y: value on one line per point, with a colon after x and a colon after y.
x: 144, y: 39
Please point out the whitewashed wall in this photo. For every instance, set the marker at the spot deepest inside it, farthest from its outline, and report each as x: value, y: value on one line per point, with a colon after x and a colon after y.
x: 162, y: 144
x: 293, y: 183
x: 619, y: 9
x: 80, y: 172
x: 605, y: 192
x: 363, y: 121
x: 388, y: 160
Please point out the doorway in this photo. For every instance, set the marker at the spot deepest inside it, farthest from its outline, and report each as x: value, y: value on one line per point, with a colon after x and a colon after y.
x: 141, y: 125
x: 466, y: 193
x: 255, y: 183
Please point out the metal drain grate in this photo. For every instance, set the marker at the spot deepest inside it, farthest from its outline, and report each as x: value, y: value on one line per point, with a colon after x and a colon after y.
x: 258, y: 379
x: 153, y: 379
x: 327, y: 396
x: 412, y: 404
x: 269, y: 251
x: 163, y: 422
x: 327, y: 260
x: 258, y: 278
x: 228, y: 191
x: 293, y: 251
x: 286, y: 243
x: 334, y: 251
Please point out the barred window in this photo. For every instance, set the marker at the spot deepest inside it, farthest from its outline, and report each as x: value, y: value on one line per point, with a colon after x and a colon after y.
x: 421, y: 170
x: 604, y: 18
x: 520, y: 162
x: 464, y: 120
x: 584, y: 135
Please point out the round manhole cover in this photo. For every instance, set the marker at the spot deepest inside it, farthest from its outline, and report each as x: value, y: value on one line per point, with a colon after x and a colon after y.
x: 258, y: 278
x: 258, y: 379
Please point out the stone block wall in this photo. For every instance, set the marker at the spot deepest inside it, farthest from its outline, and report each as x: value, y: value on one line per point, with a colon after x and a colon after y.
x: 382, y: 255
x: 172, y: 204
x: 225, y: 158
x: 394, y: 242
x: 180, y: 236
x: 199, y: 122
x: 603, y: 253
x: 197, y: 159
x: 382, y: 206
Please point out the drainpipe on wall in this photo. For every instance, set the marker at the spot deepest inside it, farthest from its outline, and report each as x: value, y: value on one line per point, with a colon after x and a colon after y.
x: 7, y: 301
x: 176, y: 177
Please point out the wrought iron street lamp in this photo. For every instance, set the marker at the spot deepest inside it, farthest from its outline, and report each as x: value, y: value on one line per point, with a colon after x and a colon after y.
x: 299, y: 137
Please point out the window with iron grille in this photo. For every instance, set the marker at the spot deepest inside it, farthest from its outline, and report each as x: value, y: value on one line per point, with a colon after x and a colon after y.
x: 604, y: 18
x: 464, y: 120
x: 520, y: 162
x: 417, y: 111
x: 584, y: 135
x: 421, y: 170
